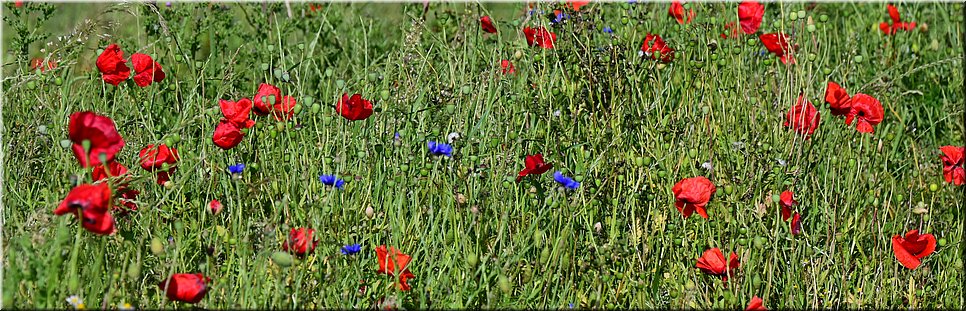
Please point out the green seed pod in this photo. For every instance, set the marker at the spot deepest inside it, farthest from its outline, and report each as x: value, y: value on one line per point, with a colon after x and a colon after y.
x: 823, y: 18
x: 316, y: 108
x: 472, y: 260
x: 157, y: 246
x: 134, y: 270
x: 282, y: 259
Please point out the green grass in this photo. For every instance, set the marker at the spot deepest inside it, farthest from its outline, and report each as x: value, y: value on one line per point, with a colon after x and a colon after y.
x: 628, y: 128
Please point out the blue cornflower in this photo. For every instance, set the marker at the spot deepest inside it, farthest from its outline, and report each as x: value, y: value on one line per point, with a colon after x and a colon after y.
x: 565, y: 181
x: 331, y: 180
x: 397, y: 136
x: 440, y: 149
x: 237, y: 168
x: 561, y: 17
x: 608, y: 30
x: 351, y: 249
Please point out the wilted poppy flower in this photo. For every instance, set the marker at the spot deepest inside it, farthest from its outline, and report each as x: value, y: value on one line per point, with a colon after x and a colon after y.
x: 565, y: 181
x: 796, y: 224
x: 91, y: 204
x: 713, y: 262
x: 113, y: 169
x: 676, y: 10
x: 154, y: 159
x: 897, y: 23
x: 237, y: 112
x: 749, y: 15
x: 787, y: 201
x: 112, y: 66
x: 42, y: 65
x: 756, y: 304
x: 189, y: 288
x: 227, y: 135
x: 265, y: 98
x: 866, y: 111
x: 654, y: 47
x: 354, y: 108
x: 778, y: 44
x: 693, y: 194
x: 285, y: 108
x: 803, y: 117
x: 507, y: 67
x: 351, y: 249
x: 440, y: 149
x: 99, y: 132
x: 540, y: 37
x: 838, y: 99
x: 954, y: 158
x: 300, y: 241
x: 911, y: 249
x: 331, y: 180
x: 146, y: 70
x: 534, y: 165
x: 487, y: 24
x: 393, y: 262
x: 215, y: 207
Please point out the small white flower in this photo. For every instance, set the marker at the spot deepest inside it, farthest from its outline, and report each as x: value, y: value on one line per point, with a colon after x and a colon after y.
x: 707, y: 166
x: 781, y: 162
x: 125, y: 306
x: 556, y: 113
x: 75, y: 301
x: 452, y: 136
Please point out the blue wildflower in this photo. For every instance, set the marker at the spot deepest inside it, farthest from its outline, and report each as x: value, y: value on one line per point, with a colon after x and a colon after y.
x: 561, y: 17
x: 440, y: 149
x: 565, y: 181
x: 608, y: 30
x: 237, y: 168
x: 351, y: 249
x: 331, y: 180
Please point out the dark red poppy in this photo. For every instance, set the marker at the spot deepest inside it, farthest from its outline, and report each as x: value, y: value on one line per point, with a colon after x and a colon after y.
x: 42, y: 65
x: 184, y: 287
x: 300, y: 241
x: 154, y: 159
x: 540, y: 37
x: 954, y: 159
x: 576, y: 4
x: 897, y: 23
x: 227, y: 135
x: 354, y: 108
x: 126, y: 196
x: 803, y: 117
x: 146, y: 70
x: 749, y: 15
x: 787, y: 201
x: 693, y: 194
x: 265, y: 98
x: 756, y: 304
x: 487, y: 24
x: 534, y: 166
x: 507, y: 67
x: 91, y: 204
x: 838, y: 99
x: 101, y: 134
x: 676, y: 10
x: 796, y: 224
x: 392, y: 262
x: 911, y: 249
x: 866, y: 111
x: 284, y: 110
x: 713, y: 262
x: 238, y: 113
x: 778, y: 44
x: 112, y: 65
x: 655, y: 48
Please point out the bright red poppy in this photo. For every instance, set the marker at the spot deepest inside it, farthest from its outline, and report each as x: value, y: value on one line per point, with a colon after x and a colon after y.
x: 778, y: 44
x: 393, y: 262
x: 42, y: 65
x: 756, y: 304
x: 300, y: 241
x: 507, y: 67
x: 576, y: 4
x: 146, y: 70
x: 803, y: 117
x: 911, y: 249
x: 540, y: 37
x: 897, y: 23
x: 91, y: 204
x: 154, y: 158
x: 354, y: 108
x: 866, y: 111
x: 787, y: 202
x: 215, y: 207
x: 954, y: 159
x: 127, y: 196
x: 238, y: 112
x: 227, y: 135
x: 749, y: 15
x: 99, y: 132
x: 693, y: 194
x: 655, y: 48
x: 284, y: 110
x: 713, y: 262
x: 487, y: 24
x: 534, y: 166
x: 265, y: 98
x: 676, y: 10
x: 112, y: 65
x: 796, y: 224
x: 184, y: 287
x: 838, y: 99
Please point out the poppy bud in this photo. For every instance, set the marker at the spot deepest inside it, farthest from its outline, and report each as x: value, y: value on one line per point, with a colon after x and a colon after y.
x: 282, y: 259
x: 157, y: 246
x: 87, y: 145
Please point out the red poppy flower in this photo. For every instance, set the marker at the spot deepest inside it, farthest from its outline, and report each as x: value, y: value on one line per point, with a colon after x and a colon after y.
x: 676, y: 10
x: 184, y: 287
x: 393, y: 261
x: 300, y: 241
x: 112, y: 65
x: 101, y: 134
x: 354, y: 108
x: 866, y: 111
x: 127, y: 196
x: 573, y: 4
x: 713, y: 262
x: 215, y: 207
x: 540, y: 37
x: 796, y: 224
x: 284, y: 110
x: 803, y: 117
x: 777, y: 43
x: 487, y: 24
x: 655, y: 47
x: 897, y: 23
x: 838, y: 99
x: 911, y: 249
x: 954, y: 159
x: 534, y: 165
x: 237, y: 113
x: 91, y: 204
x: 749, y: 15
x: 756, y: 304
x: 18, y: 3
x: 507, y: 67
x: 42, y: 65
x: 154, y: 158
x: 265, y: 98
x: 693, y: 194
x: 227, y: 135
x: 787, y: 201
x: 146, y: 70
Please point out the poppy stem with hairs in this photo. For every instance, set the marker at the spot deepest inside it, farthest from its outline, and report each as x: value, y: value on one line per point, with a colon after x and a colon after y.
x: 72, y: 274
